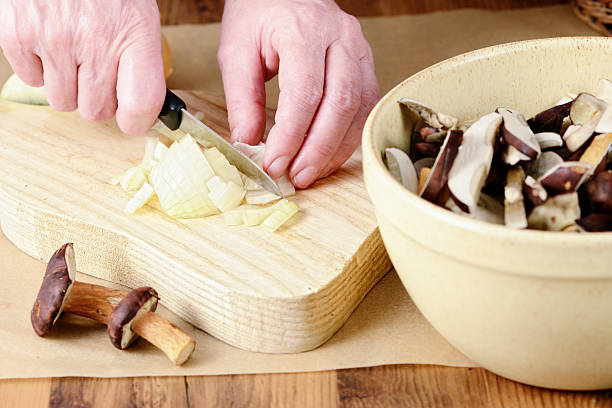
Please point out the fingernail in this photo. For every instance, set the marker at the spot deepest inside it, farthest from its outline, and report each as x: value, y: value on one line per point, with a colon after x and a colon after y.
x: 305, y: 177
x: 278, y: 166
x: 235, y: 136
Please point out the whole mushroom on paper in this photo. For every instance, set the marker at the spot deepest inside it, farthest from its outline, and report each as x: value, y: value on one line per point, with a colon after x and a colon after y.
x: 127, y: 314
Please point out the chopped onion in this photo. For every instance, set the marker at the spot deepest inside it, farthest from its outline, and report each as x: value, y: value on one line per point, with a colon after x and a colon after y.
x: 222, y: 167
x: 180, y: 181
x: 225, y: 196
x: 16, y: 90
x: 140, y: 198
x: 283, y: 211
x: 132, y: 179
x: 260, y: 196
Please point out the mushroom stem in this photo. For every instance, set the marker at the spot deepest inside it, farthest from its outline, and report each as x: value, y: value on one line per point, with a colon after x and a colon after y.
x: 98, y: 302
x: 173, y: 341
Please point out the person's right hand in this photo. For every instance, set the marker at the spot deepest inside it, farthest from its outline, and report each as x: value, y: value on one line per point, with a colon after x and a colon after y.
x: 100, y: 56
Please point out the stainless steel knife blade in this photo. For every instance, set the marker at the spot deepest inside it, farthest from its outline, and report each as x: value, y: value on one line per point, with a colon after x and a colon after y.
x: 209, y: 138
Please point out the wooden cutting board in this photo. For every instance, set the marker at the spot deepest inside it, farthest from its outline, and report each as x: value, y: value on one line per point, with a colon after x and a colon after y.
x: 281, y: 292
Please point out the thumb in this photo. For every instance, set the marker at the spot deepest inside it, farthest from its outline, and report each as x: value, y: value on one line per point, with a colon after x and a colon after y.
x: 141, y: 86
x: 245, y: 95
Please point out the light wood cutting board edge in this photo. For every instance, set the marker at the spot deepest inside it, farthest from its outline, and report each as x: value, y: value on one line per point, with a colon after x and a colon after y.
x: 286, y: 324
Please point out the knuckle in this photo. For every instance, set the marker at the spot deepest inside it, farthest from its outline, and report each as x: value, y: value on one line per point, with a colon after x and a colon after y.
x: 326, y: 148
x: 369, y: 98
x: 345, y: 100
x: 308, y: 93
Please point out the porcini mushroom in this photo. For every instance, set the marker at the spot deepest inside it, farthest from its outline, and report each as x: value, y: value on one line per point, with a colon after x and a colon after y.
x: 60, y: 292
x: 54, y: 291
x: 547, y: 140
x: 401, y: 168
x: 586, y: 107
x: 596, y: 222
x: 517, y: 133
x: 487, y: 210
x: 473, y: 162
x: 534, y: 191
x: 514, y: 204
x: 577, y: 135
x: 438, y: 177
x: 550, y: 120
x: 565, y: 177
x: 597, y: 151
x: 556, y: 213
x: 430, y: 116
x: 599, y: 192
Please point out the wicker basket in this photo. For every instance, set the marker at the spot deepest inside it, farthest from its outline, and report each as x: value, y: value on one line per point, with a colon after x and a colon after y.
x: 597, y: 14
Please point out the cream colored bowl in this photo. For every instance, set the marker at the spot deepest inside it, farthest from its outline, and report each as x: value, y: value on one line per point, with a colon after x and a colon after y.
x: 532, y: 306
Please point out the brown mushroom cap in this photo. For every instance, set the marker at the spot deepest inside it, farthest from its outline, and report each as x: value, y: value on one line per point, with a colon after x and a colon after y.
x: 599, y: 191
x: 551, y: 119
x: 596, y: 222
x: 436, y: 182
x: 55, y: 289
x: 138, y: 301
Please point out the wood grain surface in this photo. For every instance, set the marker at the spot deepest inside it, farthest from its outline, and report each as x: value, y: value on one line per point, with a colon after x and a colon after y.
x: 386, y: 386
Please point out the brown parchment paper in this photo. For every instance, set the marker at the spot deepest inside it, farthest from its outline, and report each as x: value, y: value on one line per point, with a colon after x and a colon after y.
x: 385, y: 329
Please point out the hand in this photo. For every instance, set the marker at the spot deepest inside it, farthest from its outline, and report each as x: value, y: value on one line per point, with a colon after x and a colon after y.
x: 100, y: 56
x: 326, y: 78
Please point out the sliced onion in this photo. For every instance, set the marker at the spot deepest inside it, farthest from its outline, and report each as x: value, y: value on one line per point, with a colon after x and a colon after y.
x: 140, y: 198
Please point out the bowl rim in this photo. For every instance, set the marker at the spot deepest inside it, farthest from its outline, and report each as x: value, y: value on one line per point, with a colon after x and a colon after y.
x: 381, y: 173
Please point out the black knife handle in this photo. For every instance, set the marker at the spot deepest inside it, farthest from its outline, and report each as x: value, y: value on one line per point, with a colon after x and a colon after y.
x: 171, y: 113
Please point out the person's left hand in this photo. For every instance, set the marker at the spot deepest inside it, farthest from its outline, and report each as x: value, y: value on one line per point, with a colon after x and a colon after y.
x: 326, y: 78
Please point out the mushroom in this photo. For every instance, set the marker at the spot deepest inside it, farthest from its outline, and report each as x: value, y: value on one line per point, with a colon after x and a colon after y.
x: 596, y: 222
x: 597, y: 150
x: 517, y: 133
x: 604, y: 125
x: 401, y: 168
x: 549, y: 139
x: 577, y: 135
x: 599, y: 192
x: 565, y: 177
x: 54, y: 291
x: 487, y: 210
x: 432, y: 135
x: 543, y: 164
x: 135, y: 304
x: 431, y: 117
x: 512, y: 156
x: 514, y: 204
x: 97, y: 303
x: 534, y: 191
x: 438, y: 177
x: 473, y: 162
x: 424, y: 162
x: 586, y: 107
x: 551, y: 120
x: 556, y: 213
x: 604, y: 90
x: 425, y: 149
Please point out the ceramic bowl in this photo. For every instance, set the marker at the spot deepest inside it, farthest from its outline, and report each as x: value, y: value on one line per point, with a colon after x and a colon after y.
x: 533, y: 306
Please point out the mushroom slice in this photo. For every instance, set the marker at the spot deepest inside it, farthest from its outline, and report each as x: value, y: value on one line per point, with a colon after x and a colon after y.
x: 565, y: 177
x: 575, y: 136
x: 473, y: 162
x: 438, y: 177
x: 431, y: 135
x: 596, y: 222
x: 517, y: 133
x: 551, y: 119
x: 55, y: 289
x: 556, y: 213
x: 549, y: 139
x: 597, y: 150
x: 401, y: 168
x: 599, y: 191
x: 604, y: 125
x: 423, y: 176
x: 585, y: 107
x: 512, y: 156
x: 430, y: 116
x: 424, y: 162
x: 425, y: 149
x: 534, y: 191
x: 488, y: 209
x: 543, y: 164
x: 135, y: 303
x: 514, y: 204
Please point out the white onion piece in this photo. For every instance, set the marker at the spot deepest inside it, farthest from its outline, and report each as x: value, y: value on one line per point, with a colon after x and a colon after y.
x: 180, y: 181
x: 283, y: 211
x: 140, y: 198
x: 225, y: 196
x: 260, y: 196
x: 401, y: 168
x: 222, y: 167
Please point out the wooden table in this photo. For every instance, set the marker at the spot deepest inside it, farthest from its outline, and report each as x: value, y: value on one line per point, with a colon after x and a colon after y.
x: 397, y: 385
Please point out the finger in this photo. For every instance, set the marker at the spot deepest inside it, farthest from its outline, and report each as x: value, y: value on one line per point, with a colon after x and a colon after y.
x: 245, y: 93
x: 352, y: 139
x: 141, y: 86
x: 97, y: 89
x: 25, y: 64
x: 340, y: 102
x: 60, y: 79
x: 301, y: 79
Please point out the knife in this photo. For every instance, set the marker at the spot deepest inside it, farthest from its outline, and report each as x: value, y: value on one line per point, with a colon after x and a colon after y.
x: 175, y: 116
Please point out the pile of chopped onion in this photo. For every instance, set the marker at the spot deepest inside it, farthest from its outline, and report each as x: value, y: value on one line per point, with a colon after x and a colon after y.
x: 192, y: 182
